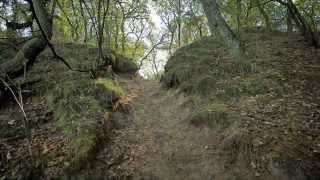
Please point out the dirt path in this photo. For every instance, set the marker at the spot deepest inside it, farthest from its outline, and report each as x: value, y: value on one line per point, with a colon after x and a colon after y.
x: 163, y: 144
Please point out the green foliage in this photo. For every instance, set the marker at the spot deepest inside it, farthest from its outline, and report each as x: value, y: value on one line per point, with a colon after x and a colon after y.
x: 134, y: 50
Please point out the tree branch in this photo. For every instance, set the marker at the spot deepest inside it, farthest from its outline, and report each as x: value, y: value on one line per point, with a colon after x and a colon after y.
x: 151, y: 50
x: 44, y: 34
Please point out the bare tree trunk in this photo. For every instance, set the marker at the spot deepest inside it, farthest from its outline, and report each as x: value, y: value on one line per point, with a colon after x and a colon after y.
x: 179, y: 23
x: 306, y: 28
x: 289, y: 21
x: 85, y: 23
x: 123, y: 37
x: 218, y: 24
x: 100, y: 32
x: 116, y: 35
x: 239, y: 9
x: 171, y: 42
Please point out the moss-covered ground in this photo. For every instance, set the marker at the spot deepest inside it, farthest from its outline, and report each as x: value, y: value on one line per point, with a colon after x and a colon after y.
x: 261, y: 101
x: 215, y: 117
x: 72, y: 105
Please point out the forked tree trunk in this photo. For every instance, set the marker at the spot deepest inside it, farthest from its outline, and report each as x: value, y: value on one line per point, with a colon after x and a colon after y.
x: 218, y: 24
x: 31, y: 49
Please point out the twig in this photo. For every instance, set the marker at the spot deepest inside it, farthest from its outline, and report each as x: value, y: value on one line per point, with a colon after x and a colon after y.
x: 19, y: 101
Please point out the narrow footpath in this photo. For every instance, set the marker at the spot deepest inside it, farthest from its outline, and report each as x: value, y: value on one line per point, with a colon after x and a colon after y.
x: 163, y: 145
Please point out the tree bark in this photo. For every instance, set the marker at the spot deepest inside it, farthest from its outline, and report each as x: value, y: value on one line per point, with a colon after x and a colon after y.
x: 85, y: 23
x: 239, y: 9
x: 301, y: 22
x: 307, y: 30
x: 218, y: 24
x: 179, y: 22
x: 289, y: 21
x: 32, y: 48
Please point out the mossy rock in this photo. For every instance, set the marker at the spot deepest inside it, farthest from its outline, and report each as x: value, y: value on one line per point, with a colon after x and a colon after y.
x: 198, y: 67
x: 81, y: 149
x: 124, y: 65
x: 107, y: 92
x: 216, y: 116
x: 79, y: 106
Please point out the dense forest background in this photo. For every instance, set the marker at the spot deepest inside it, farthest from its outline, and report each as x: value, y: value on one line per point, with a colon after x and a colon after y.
x: 139, y: 29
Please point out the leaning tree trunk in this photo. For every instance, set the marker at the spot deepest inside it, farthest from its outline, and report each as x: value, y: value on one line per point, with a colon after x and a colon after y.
x: 32, y: 48
x: 301, y: 22
x: 218, y: 24
x: 307, y: 29
x: 289, y: 21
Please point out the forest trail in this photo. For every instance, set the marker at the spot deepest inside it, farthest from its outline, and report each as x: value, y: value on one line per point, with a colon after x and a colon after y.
x: 162, y: 143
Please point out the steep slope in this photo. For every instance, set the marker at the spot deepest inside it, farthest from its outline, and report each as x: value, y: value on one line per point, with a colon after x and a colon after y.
x: 66, y: 115
x: 264, y: 107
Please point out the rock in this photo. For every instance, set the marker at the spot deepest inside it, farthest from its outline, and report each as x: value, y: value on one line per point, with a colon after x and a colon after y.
x: 124, y: 65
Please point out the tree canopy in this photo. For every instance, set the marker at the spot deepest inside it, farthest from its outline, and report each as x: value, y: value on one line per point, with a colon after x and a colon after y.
x: 140, y: 28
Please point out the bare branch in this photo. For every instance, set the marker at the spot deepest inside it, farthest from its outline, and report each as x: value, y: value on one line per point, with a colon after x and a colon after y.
x: 161, y: 41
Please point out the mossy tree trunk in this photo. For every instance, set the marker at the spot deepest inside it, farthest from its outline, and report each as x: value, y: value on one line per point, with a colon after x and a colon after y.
x: 218, y: 24
x: 32, y: 48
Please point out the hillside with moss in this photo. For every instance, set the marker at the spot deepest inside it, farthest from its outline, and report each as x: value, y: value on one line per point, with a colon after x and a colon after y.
x: 211, y: 116
x: 68, y: 114
x: 263, y: 107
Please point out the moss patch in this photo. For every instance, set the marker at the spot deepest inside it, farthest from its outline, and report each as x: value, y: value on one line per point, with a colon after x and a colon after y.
x: 216, y: 115
x: 268, y: 94
x: 80, y: 105
x: 246, y: 86
x: 81, y: 149
x: 201, y: 67
x: 108, y: 84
